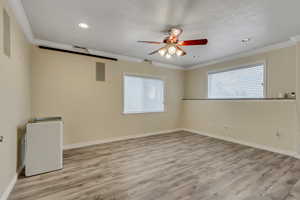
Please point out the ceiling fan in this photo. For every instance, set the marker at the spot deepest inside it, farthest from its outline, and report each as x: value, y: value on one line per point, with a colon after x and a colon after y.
x: 172, y: 44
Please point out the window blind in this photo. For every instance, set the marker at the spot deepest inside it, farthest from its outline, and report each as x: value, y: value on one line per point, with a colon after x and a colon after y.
x: 247, y: 82
x: 143, y: 94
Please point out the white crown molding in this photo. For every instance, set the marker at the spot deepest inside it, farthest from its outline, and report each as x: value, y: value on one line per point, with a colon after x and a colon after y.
x: 102, y: 53
x: 94, y: 52
x: 19, y: 12
x: 18, y: 9
x: 170, y: 66
x: 291, y: 42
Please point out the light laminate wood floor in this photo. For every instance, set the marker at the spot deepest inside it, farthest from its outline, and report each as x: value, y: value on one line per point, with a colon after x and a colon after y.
x: 176, y: 166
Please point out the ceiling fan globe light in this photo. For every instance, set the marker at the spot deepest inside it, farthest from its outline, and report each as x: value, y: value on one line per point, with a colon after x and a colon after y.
x: 162, y: 52
x: 168, y: 56
x: 179, y: 52
x: 172, y: 50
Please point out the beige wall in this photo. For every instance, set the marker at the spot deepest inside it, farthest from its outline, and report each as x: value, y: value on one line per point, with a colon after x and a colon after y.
x: 15, y: 97
x: 64, y: 85
x: 272, y: 124
x: 298, y: 95
x: 281, y: 73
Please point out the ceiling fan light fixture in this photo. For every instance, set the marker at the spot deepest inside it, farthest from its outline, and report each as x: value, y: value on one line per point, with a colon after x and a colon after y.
x: 172, y: 44
x: 172, y: 50
x: 179, y: 52
x: 162, y: 51
x: 168, y: 56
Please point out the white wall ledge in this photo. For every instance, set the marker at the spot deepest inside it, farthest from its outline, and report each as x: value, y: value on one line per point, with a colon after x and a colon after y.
x: 240, y: 99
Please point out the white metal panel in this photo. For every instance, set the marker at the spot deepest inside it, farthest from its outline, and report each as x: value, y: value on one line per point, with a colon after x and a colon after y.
x: 44, y: 149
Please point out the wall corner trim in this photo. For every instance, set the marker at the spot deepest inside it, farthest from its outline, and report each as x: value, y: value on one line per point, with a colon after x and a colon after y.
x: 9, y: 188
x: 19, y: 12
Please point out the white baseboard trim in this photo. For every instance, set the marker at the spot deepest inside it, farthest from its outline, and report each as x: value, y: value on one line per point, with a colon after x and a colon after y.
x: 21, y: 169
x: 86, y: 144
x: 9, y: 188
x: 12, y: 183
x: 257, y: 146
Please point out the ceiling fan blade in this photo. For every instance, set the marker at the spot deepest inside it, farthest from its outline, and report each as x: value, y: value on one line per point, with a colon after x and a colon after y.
x: 150, y: 42
x: 154, y: 52
x: 193, y: 42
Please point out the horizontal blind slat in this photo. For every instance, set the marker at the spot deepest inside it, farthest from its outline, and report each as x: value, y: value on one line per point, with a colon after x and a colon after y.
x: 237, y: 83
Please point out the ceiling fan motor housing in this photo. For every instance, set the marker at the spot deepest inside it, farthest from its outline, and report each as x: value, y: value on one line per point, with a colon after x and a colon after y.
x: 173, y: 44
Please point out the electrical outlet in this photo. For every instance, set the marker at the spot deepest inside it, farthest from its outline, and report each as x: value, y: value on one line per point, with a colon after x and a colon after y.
x: 278, y: 134
x: 226, y: 130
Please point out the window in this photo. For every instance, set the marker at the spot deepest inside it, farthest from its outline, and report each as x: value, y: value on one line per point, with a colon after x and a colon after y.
x: 143, y: 94
x: 245, y: 82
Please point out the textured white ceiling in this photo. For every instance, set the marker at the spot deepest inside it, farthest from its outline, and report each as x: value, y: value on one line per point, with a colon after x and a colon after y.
x: 116, y: 25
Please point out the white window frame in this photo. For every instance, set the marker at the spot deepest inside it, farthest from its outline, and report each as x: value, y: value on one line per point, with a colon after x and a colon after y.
x: 247, y: 65
x: 148, y: 77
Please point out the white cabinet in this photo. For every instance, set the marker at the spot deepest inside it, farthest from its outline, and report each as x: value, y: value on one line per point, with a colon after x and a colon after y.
x: 44, y: 147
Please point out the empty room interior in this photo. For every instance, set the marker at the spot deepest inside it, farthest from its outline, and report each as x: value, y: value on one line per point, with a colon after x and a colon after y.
x: 149, y: 100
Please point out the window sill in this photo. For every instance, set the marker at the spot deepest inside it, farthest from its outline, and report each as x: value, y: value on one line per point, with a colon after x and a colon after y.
x: 150, y: 112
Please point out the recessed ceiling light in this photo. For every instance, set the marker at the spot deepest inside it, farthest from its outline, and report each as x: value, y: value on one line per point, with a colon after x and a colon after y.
x: 83, y: 25
x: 245, y: 40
